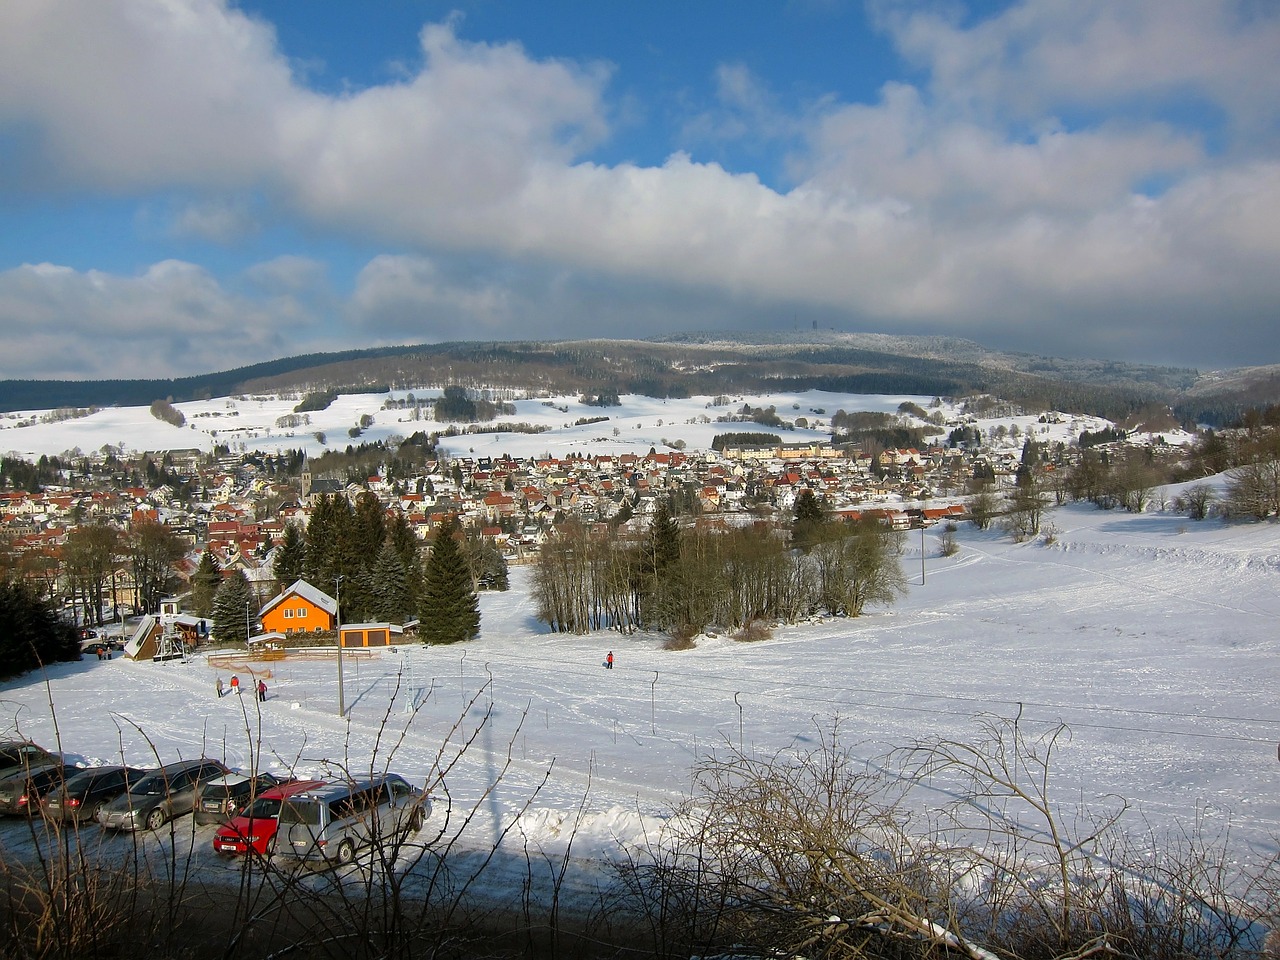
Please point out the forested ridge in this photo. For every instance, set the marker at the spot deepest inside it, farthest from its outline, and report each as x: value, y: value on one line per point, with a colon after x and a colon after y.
x: 657, y: 368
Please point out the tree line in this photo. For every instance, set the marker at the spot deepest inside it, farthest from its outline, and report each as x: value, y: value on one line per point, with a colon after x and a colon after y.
x: 371, y: 560
x: 684, y: 580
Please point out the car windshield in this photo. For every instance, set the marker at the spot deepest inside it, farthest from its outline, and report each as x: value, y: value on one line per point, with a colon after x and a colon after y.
x: 264, y: 808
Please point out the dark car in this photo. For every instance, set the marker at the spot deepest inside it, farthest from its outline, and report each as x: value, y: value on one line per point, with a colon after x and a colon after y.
x: 20, y: 794
x: 255, y: 828
x: 221, y: 799
x: 19, y: 756
x: 160, y: 796
x: 87, y: 790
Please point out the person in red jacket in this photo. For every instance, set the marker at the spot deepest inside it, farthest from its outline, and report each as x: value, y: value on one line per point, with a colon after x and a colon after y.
x: 608, y: 661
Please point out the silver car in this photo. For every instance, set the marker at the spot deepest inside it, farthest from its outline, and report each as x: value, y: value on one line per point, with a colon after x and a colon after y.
x: 160, y: 796
x: 331, y: 823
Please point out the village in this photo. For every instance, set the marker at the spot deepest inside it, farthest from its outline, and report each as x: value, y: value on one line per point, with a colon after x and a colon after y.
x: 237, y: 506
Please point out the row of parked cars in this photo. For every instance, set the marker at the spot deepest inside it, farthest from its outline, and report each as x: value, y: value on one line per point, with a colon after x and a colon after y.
x: 310, y: 820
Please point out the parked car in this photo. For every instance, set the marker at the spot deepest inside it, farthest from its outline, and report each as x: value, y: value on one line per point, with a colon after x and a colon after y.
x: 222, y: 798
x: 332, y: 823
x: 18, y: 756
x: 255, y: 827
x: 160, y: 796
x: 87, y: 790
x: 20, y: 793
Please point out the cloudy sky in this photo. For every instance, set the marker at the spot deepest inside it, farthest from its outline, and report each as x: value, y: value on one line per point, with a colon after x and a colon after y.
x: 193, y: 185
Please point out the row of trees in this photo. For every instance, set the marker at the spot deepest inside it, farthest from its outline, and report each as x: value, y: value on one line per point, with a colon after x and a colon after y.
x: 373, y: 563
x: 96, y: 556
x: 686, y: 580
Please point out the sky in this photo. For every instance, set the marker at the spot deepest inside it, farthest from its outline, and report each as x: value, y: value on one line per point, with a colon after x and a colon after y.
x: 196, y: 185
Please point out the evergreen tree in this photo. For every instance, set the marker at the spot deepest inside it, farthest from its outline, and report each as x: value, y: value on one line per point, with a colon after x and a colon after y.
x: 449, y: 610
x: 368, y: 527
x: 204, y: 585
x: 321, y: 543
x: 331, y: 552
x: 233, y: 608
x: 806, y: 529
x: 31, y: 632
x: 290, y: 558
x: 660, y: 575
x: 388, y: 587
x: 664, y: 539
x: 409, y: 549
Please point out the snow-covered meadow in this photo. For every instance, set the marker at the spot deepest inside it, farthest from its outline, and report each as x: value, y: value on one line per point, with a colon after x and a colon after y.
x: 1153, y: 637
x: 636, y: 426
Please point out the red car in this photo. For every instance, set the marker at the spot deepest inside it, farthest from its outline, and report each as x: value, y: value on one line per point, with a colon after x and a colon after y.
x: 255, y: 828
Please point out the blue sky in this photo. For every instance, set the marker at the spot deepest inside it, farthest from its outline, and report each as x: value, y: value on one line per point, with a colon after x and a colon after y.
x: 189, y: 185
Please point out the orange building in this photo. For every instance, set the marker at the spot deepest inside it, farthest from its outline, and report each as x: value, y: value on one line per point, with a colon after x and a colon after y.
x: 299, y: 609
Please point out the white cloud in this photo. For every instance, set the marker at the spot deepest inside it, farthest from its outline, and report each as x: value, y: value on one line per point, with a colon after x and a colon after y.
x: 964, y: 203
x: 1039, y: 56
x: 408, y: 298
x: 223, y: 221
x: 171, y: 320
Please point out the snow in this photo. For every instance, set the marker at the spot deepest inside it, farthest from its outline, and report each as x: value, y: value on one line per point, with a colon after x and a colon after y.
x: 636, y: 426
x: 1153, y: 637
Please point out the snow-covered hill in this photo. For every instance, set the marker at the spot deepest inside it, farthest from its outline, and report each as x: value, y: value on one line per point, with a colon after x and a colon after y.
x: 269, y: 424
x: 1154, y: 638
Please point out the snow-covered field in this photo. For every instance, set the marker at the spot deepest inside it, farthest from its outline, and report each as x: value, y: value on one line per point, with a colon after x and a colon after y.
x: 1155, y: 638
x: 636, y: 426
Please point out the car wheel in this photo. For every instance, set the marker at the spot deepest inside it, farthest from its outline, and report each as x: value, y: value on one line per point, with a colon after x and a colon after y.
x: 155, y: 819
x: 417, y: 820
x: 95, y: 812
x: 346, y: 852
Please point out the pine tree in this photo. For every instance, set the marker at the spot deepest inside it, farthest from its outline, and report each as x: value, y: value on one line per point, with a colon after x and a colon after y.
x: 290, y: 558
x: 660, y: 574
x: 31, y: 632
x: 368, y: 527
x: 449, y: 610
x: 409, y: 549
x: 388, y: 589
x: 321, y: 543
x: 664, y: 539
x: 233, y: 608
x: 204, y: 585
x: 806, y: 529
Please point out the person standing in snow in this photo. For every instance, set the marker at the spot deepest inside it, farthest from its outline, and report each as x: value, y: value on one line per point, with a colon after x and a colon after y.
x: 608, y: 661
x: 219, y: 688
x: 262, y: 690
x: 235, y: 683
